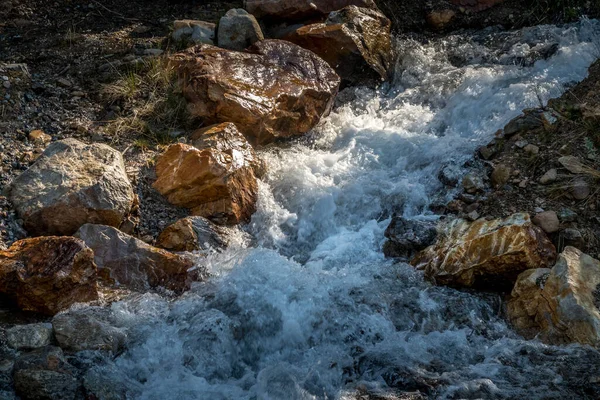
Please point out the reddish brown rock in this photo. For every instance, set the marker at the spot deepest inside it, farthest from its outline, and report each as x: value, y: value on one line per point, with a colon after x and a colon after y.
x: 355, y: 41
x: 48, y: 274
x: 275, y: 89
x: 128, y: 262
x: 216, y: 181
x: 198, y: 233
x: 484, y: 253
x: 299, y: 9
x: 476, y: 5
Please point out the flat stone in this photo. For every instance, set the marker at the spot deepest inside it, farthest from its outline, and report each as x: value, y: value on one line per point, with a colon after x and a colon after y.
x: 572, y: 164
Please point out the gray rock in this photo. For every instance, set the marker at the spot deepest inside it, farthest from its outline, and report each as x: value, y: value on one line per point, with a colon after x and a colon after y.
x: 408, y: 236
x: 580, y: 189
x: 524, y: 123
x: 88, y: 329
x: 549, y: 177
x: 238, y: 30
x: 473, y: 183
x: 548, y: 221
x: 30, y: 336
x: 103, y: 385
x: 43, y: 384
x: 572, y: 164
x: 500, y: 175
x: 572, y: 237
x: 449, y: 175
x: 72, y: 183
x: 567, y: 215
x: 196, y: 32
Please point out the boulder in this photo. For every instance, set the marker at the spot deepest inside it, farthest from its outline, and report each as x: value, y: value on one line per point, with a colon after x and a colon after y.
x: 27, y: 337
x: 408, y: 236
x: 212, y: 183
x: 356, y: 42
x: 48, y: 274
x: 196, y: 32
x: 87, y: 329
x: 126, y: 261
x: 238, y: 30
x: 559, y: 305
x: 299, y: 9
x: 72, y: 183
x: 198, y: 233
x: 488, y: 254
x: 275, y: 89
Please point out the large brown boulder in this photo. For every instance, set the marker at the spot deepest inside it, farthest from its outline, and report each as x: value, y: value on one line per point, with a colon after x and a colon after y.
x: 130, y: 263
x: 299, y: 9
x: 355, y: 41
x: 559, y: 305
x: 488, y: 254
x: 72, y: 183
x: 216, y: 181
x: 48, y: 274
x: 275, y: 89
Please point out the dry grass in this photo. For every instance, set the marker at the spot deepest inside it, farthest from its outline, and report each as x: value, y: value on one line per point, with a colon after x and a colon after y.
x: 151, y: 103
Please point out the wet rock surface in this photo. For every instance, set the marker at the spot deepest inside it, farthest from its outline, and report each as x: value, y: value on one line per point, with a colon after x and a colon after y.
x: 407, y: 237
x: 48, y: 274
x: 274, y: 90
x: 198, y: 233
x: 28, y: 337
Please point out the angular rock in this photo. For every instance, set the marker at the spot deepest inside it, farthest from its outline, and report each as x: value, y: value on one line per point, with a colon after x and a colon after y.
x: 572, y: 237
x: 560, y: 305
x: 548, y: 221
x: 473, y: 183
x: 192, y: 31
x: 238, y: 30
x: 488, y: 254
x: 48, y: 274
x: 356, y: 42
x: 549, y: 177
x: 126, y: 261
x: 39, y: 137
x: 274, y: 90
x: 572, y: 164
x: 87, y: 329
x: 406, y: 237
x: 299, y: 9
x: 71, y: 184
x: 524, y: 123
x: 219, y: 185
x: 32, y: 336
x: 198, y: 233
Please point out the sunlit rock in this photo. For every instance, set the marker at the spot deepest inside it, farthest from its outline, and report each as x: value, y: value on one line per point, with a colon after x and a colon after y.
x: 48, y: 274
x: 196, y: 32
x: 559, y: 305
x: 275, y: 89
x: 355, y: 41
x: 238, y: 30
x: 488, y: 254
x: 128, y: 262
x: 72, y: 183
x: 299, y: 9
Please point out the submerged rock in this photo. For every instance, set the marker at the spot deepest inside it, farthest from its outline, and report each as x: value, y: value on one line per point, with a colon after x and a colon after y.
x: 559, y: 305
x: 32, y: 336
x: 275, y: 89
x: 48, y: 274
x: 238, y: 30
x: 356, y: 42
x: 488, y: 254
x: 72, y: 183
x: 126, y: 261
x: 197, y: 233
x: 406, y: 236
x: 299, y: 9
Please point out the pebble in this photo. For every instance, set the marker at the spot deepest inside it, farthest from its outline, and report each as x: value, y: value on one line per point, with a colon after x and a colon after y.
x: 521, y: 143
x: 549, y: 177
x: 153, y: 52
x: 580, y: 189
x: 531, y: 149
x: 6, y: 84
x: 572, y: 164
x: 548, y: 221
x: 500, y: 175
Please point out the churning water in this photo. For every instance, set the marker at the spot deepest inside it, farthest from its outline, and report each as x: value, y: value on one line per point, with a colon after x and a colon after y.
x: 313, y: 310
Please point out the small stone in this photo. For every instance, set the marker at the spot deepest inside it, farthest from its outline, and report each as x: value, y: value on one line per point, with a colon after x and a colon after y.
x: 500, y: 175
x: 572, y: 164
x: 473, y: 216
x: 64, y: 82
x: 521, y: 143
x: 523, y: 184
x: 196, y: 32
x: 538, y: 210
x: 580, y: 189
x: 567, y: 215
x: 549, y: 177
x: 27, y: 337
x: 39, y: 137
x: 487, y: 152
x: 449, y: 175
x: 473, y: 183
x: 548, y: 221
x: 6, y: 84
x: 153, y: 52
x: 438, y: 20
x: 572, y: 237
x: 531, y: 149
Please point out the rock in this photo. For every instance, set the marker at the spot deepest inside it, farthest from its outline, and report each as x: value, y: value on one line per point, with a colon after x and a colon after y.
x: 549, y: 177
x: 71, y: 184
x: 472, y: 216
x: 196, y: 32
x: 48, y: 274
x: 87, y: 329
x: 500, y: 175
x: 548, y: 221
x: 126, y: 261
x: 524, y: 123
x: 572, y: 237
x: 39, y: 137
x: 45, y: 374
x: 489, y: 254
x: 572, y: 164
x: 580, y: 189
x: 567, y: 215
x: 299, y: 9
x: 438, y: 20
x: 531, y: 149
x: 198, y: 233
x: 27, y: 337
x: 408, y: 236
x: 238, y: 30
x: 521, y: 143
x: 473, y: 183
x: 216, y: 184
x: 560, y: 305
x: 153, y: 52
x: 487, y: 152
x: 476, y: 5
x: 102, y: 386
x: 275, y: 90
x: 356, y: 42
x: 63, y: 82
x: 449, y: 175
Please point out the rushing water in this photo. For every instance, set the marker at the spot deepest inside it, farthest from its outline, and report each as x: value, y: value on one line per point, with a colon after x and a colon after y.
x: 313, y: 310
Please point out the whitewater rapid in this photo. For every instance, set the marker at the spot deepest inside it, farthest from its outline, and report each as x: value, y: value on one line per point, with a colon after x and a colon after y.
x: 312, y: 310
